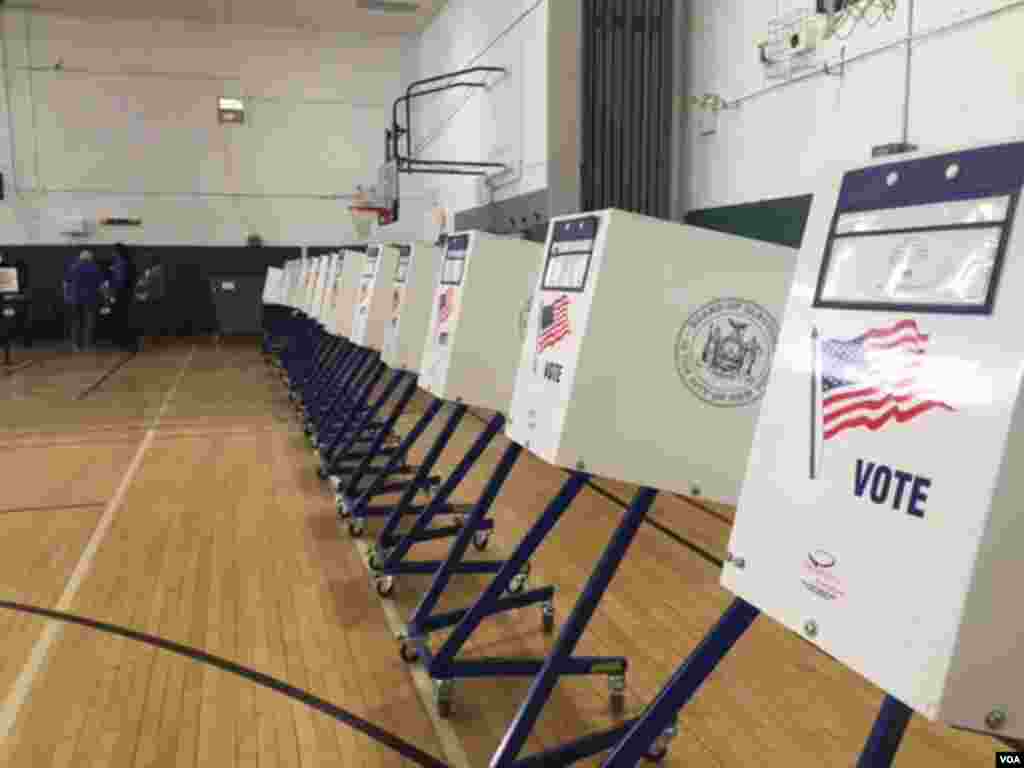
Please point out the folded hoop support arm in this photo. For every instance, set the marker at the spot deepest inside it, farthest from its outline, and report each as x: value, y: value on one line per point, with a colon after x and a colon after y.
x: 426, y: 87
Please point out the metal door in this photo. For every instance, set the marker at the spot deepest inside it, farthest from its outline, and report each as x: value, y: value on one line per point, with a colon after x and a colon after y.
x: 238, y: 300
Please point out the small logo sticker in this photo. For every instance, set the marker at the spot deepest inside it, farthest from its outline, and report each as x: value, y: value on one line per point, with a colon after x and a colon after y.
x: 724, y: 352
x: 819, y: 577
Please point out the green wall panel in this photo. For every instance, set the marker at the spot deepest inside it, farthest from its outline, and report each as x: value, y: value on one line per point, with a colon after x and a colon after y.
x: 779, y: 221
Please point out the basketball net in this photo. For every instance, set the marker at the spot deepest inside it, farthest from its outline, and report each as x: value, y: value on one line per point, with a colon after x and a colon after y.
x: 365, y: 213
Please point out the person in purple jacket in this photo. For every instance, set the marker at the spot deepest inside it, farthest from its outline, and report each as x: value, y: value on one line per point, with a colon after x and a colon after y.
x: 83, y: 292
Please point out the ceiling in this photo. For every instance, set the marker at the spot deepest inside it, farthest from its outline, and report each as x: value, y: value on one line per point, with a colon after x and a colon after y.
x: 327, y: 16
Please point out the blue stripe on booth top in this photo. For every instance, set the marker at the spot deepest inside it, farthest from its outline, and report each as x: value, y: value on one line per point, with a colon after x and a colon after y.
x: 576, y: 229
x: 458, y: 244
x: 984, y: 172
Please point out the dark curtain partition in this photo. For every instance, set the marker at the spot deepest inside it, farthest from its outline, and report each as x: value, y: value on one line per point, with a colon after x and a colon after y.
x: 627, y: 105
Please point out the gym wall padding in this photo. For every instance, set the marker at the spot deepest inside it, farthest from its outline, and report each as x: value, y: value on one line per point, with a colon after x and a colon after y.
x: 781, y: 220
x: 187, y: 307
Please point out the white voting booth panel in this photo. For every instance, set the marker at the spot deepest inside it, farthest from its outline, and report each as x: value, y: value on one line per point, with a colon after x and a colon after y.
x: 412, y: 295
x: 331, y: 290
x: 372, y: 310
x: 292, y: 271
x: 647, y: 351
x: 347, y: 290
x: 472, y: 345
x: 319, y: 282
x: 273, y: 286
x: 326, y: 290
x: 881, y: 512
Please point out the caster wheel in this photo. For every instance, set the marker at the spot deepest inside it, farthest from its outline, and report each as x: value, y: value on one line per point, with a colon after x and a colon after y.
x: 385, y: 586
x: 518, y: 584
x: 656, y: 755
x: 480, y: 540
x: 548, y: 618
x: 618, y: 703
x: 356, y: 528
x: 375, y: 561
x: 408, y: 652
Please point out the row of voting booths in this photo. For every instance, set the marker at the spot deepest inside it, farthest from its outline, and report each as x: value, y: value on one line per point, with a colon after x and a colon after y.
x: 823, y: 392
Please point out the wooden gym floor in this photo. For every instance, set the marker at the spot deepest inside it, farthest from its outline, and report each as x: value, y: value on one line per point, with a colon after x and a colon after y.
x: 177, y: 497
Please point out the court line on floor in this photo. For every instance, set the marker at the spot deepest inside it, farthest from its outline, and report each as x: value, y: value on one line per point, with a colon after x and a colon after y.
x: 378, y: 734
x: 105, y: 376
x: 23, y: 685
x: 52, y: 507
x: 450, y: 742
x: 10, y: 370
x: 69, y: 443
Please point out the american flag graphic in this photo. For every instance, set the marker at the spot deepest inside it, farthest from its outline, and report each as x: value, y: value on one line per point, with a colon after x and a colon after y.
x: 554, y: 323
x: 875, y: 379
x: 444, y: 306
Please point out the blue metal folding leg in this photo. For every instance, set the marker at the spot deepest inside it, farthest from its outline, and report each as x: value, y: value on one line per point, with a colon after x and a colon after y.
x: 389, y: 557
x: 346, y: 407
x: 357, y: 502
x: 648, y: 736
x: 422, y: 481
x: 365, y: 428
x: 500, y: 595
x: 363, y: 466
x: 336, y: 394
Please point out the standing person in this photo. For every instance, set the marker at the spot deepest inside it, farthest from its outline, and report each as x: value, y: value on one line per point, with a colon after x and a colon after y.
x: 83, y: 290
x: 124, y: 277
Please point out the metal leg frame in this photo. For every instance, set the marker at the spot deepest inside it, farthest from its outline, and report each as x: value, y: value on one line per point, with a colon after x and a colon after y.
x: 338, y: 384
x: 499, y: 596
x: 377, y: 449
x: 560, y: 661
x: 421, y: 481
x: 344, y: 398
x: 422, y: 621
x: 349, y: 505
x: 334, y: 437
x: 389, y: 556
x: 365, y: 423
x: 649, y: 735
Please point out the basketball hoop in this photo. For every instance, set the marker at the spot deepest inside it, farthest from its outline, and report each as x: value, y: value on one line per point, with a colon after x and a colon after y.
x: 364, y: 216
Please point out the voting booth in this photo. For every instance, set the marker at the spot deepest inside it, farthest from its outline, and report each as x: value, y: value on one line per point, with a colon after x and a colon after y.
x: 346, y: 291
x: 412, y: 293
x: 272, y: 286
x: 321, y: 310
x: 890, y: 441
x: 372, y: 311
x: 472, y: 347
x: 647, y: 351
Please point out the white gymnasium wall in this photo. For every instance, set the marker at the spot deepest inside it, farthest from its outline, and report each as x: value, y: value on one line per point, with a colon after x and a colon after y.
x: 127, y: 126
x: 507, y: 123
x: 966, y: 85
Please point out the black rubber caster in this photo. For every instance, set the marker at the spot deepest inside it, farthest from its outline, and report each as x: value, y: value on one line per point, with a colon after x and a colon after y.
x: 384, y: 585
x: 408, y: 652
